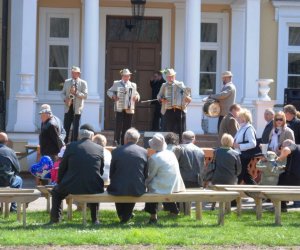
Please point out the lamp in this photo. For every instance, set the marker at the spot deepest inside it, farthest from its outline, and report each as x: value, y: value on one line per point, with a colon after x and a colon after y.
x: 138, y: 9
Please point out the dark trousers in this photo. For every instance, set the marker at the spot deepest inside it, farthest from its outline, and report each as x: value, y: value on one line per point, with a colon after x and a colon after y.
x: 219, y: 121
x: 175, y: 121
x: 123, y: 122
x: 56, y: 210
x: 245, y: 175
x: 124, y: 211
x: 156, y: 122
x: 70, y: 118
x: 287, y: 179
x: 152, y: 208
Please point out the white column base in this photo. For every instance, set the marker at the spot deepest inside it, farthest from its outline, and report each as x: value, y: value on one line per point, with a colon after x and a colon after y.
x: 91, y: 112
x: 25, y: 113
x: 194, y: 116
x: 258, y: 120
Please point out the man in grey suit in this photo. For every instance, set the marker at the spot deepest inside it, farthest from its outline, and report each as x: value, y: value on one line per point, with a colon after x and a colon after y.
x: 73, y: 94
x: 124, y: 115
x: 229, y: 123
x: 269, y: 116
x: 227, y: 95
x: 79, y: 173
x: 128, y: 171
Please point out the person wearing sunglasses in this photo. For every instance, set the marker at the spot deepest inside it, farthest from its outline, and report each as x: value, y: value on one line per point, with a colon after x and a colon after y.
x: 279, y: 133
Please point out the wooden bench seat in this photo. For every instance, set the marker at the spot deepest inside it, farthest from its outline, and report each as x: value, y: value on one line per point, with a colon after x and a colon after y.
x: 21, y: 196
x: 276, y: 196
x: 188, y: 196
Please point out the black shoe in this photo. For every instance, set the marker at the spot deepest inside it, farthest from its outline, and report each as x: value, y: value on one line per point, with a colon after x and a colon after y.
x: 152, y: 221
x: 233, y: 203
x: 51, y: 222
x: 96, y: 223
x: 13, y: 210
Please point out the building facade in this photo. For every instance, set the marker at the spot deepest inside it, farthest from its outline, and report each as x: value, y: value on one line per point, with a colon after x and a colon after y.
x: 254, y: 39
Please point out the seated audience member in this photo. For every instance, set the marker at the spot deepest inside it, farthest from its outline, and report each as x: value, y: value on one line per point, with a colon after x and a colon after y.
x: 164, y: 175
x: 9, y: 168
x: 291, y: 176
x: 191, y: 161
x: 279, y: 133
x: 229, y: 123
x: 172, y: 141
x: 227, y: 162
x: 128, y: 171
x: 269, y: 116
x: 79, y: 173
x: 101, y: 140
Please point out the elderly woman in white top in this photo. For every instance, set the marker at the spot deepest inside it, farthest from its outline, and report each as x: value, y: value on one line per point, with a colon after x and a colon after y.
x: 101, y: 140
x: 245, y: 139
x: 164, y: 175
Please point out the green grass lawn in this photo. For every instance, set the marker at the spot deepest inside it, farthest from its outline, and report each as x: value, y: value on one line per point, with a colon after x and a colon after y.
x: 182, y: 231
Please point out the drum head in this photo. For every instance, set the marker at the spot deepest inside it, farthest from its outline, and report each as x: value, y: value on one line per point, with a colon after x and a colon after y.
x: 211, y: 108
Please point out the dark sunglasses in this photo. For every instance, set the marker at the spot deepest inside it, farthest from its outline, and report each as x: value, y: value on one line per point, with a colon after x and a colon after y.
x: 279, y: 119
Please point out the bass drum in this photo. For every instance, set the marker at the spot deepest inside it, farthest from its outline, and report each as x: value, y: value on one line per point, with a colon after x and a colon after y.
x: 211, y: 108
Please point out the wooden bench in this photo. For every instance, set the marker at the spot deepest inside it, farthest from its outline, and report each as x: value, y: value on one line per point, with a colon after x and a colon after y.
x: 276, y: 196
x: 254, y: 191
x: 189, y: 196
x: 21, y: 196
x: 46, y: 192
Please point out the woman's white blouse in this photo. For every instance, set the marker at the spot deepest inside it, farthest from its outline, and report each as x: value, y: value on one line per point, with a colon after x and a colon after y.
x: 249, y: 136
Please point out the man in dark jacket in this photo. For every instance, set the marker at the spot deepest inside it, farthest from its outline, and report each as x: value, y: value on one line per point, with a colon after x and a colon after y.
x: 79, y: 172
x: 9, y: 168
x: 128, y: 171
x: 52, y: 133
x: 191, y: 161
x: 269, y: 116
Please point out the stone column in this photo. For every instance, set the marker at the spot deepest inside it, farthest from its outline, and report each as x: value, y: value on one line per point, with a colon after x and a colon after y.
x: 90, y: 62
x: 26, y: 63
x: 192, y: 63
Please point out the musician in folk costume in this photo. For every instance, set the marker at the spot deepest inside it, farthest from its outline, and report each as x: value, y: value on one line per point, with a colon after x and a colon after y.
x: 174, y: 97
x: 227, y: 95
x: 124, y: 94
x: 74, y: 93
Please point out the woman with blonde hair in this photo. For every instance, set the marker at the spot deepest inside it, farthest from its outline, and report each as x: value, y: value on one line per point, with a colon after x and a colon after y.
x: 227, y: 161
x: 244, y: 142
x: 279, y: 133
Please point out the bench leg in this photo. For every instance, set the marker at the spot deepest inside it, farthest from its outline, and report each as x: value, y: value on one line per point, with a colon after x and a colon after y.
x: 19, y: 204
x: 2, y: 208
x: 24, y: 214
x: 228, y: 207
x: 239, y: 206
x: 84, y: 214
x: 198, y: 210
x: 6, y: 210
x: 221, y: 213
x: 48, y: 202
x: 277, y: 206
x: 258, y: 203
x: 69, y: 213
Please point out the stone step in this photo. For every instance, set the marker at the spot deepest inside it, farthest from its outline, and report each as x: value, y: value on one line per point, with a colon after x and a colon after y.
x: 206, y: 140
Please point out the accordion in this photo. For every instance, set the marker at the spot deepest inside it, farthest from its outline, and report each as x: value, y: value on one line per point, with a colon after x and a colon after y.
x: 125, y: 95
x: 175, y: 96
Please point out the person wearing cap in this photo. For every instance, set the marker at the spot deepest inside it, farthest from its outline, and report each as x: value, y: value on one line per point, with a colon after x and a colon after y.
x: 124, y: 114
x: 191, y: 161
x: 163, y: 176
x: 52, y: 134
x: 227, y: 95
x: 9, y: 168
x: 79, y: 173
x: 174, y: 116
x: 128, y: 171
x: 74, y: 93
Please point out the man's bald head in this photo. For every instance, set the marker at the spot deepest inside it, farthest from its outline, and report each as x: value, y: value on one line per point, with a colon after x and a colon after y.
x: 3, y: 138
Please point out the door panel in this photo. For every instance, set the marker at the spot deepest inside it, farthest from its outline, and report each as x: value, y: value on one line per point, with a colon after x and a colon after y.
x: 142, y: 57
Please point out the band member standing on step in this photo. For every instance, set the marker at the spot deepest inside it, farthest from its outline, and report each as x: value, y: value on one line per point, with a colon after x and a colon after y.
x: 74, y: 92
x: 174, y: 100
x: 120, y: 91
x: 227, y: 95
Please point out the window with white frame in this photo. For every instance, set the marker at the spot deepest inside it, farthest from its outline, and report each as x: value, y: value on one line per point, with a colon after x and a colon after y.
x: 293, y: 77
x: 58, y: 48
x: 213, y: 55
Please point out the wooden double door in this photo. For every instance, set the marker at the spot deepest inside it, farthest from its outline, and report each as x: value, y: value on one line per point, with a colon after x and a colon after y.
x: 139, y: 50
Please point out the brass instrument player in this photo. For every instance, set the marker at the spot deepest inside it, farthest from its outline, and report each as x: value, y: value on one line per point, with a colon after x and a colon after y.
x: 174, y: 98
